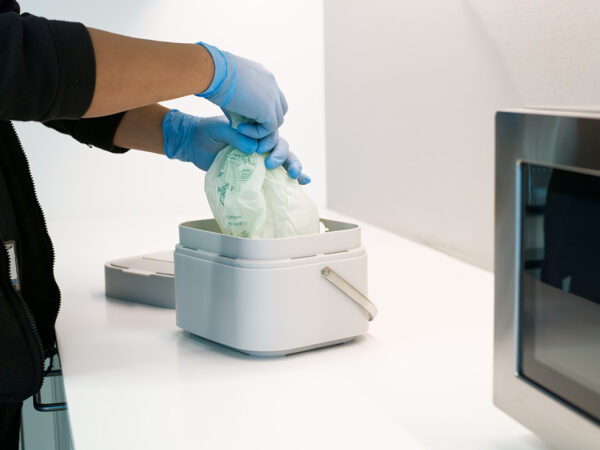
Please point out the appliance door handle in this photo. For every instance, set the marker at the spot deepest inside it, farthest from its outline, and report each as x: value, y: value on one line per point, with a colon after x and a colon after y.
x: 48, y: 407
x: 334, y: 278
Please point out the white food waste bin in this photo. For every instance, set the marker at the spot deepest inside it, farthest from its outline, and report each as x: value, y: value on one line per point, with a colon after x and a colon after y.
x: 272, y: 297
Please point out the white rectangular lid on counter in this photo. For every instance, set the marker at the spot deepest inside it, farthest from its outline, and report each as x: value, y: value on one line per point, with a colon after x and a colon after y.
x: 146, y: 279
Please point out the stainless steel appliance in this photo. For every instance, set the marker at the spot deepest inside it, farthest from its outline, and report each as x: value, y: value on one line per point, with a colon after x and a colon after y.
x: 547, y: 267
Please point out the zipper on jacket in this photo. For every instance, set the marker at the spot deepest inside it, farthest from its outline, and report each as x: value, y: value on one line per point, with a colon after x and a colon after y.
x: 37, y: 202
x: 28, y: 313
x: 45, y: 226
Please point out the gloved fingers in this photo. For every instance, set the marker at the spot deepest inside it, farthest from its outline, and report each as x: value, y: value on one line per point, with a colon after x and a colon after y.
x: 255, y: 130
x: 268, y: 143
x: 205, y: 162
x: 284, y: 104
x: 265, y: 122
x: 293, y: 166
x: 303, y: 179
x: 225, y: 133
x: 279, y: 154
x: 279, y: 113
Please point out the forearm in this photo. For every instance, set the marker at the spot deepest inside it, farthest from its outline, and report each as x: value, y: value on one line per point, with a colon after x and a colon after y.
x: 132, y: 73
x: 141, y: 129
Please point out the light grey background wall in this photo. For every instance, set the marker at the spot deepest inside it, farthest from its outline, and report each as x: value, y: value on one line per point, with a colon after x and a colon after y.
x: 74, y: 181
x: 411, y: 91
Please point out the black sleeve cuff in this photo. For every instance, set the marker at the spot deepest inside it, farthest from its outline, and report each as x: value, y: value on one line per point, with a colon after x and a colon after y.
x: 99, y: 131
x: 76, y: 69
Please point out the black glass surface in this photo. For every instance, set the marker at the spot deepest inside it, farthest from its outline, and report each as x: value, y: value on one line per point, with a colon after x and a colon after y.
x: 559, y: 301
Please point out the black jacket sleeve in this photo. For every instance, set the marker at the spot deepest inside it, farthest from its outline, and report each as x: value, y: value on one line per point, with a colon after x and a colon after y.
x: 47, y: 68
x: 98, y: 131
x: 48, y: 74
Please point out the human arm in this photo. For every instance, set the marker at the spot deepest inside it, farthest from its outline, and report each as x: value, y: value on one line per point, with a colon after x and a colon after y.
x: 138, y: 129
x: 61, y: 70
x: 193, y: 139
x: 131, y: 72
x: 136, y: 72
x: 98, y: 132
x: 54, y: 73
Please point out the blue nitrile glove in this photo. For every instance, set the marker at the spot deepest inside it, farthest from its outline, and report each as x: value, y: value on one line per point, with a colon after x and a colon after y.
x: 246, y: 88
x: 281, y: 155
x: 198, y: 140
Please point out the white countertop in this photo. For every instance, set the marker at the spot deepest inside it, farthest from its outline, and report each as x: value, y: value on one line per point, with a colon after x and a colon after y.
x: 421, y: 378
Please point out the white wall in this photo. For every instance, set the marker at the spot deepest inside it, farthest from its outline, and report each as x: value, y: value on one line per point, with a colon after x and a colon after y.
x: 74, y: 181
x: 411, y: 91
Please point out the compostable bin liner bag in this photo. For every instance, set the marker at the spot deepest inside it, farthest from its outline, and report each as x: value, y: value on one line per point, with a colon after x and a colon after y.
x: 248, y: 200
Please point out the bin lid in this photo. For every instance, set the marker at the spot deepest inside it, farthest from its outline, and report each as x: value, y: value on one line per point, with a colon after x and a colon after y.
x: 205, y: 235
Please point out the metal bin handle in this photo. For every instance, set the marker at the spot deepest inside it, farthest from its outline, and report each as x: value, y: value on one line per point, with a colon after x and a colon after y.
x: 350, y: 291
